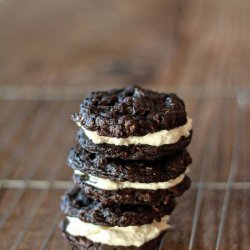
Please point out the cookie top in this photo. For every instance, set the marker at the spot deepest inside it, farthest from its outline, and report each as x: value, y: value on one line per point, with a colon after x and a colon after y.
x: 76, y: 204
x: 132, y: 111
x: 133, y: 171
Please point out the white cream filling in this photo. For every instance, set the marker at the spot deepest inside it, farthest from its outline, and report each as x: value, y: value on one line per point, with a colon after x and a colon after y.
x: 117, y: 236
x: 153, y: 139
x: 107, y: 184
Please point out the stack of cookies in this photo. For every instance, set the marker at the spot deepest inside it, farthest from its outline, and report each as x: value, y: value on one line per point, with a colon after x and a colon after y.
x: 130, y: 163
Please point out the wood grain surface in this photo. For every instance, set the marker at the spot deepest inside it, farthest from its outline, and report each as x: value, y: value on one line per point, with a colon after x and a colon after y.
x: 52, y: 53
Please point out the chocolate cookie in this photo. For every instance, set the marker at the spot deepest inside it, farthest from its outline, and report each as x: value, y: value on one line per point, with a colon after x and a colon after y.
x: 132, y: 196
x: 132, y: 111
x: 133, y: 152
x: 76, y: 204
x: 133, y: 171
x: 83, y: 243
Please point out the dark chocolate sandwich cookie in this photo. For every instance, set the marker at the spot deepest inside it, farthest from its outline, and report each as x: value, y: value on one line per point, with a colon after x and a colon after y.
x: 133, y: 123
x: 133, y: 171
x: 129, y: 165
x: 83, y: 243
x: 132, y: 196
x: 76, y: 204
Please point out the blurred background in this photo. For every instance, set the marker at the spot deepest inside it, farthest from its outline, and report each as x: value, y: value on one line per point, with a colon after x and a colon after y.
x: 61, y: 49
x: 52, y: 53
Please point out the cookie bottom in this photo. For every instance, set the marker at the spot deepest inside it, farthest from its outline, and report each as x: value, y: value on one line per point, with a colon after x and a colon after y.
x: 83, y: 243
x: 133, y: 152
x: 132, y: 196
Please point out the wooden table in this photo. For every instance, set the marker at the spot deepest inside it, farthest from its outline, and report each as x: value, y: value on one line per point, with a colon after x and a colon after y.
x: 54, y: 52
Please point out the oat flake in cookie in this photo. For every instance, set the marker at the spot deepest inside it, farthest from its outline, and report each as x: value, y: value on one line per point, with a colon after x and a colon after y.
x: 133, y: 123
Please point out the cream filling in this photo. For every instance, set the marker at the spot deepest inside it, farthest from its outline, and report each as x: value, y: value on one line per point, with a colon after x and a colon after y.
x: 153, y: 139
x: 117, y: 236
x: 107, y: 184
